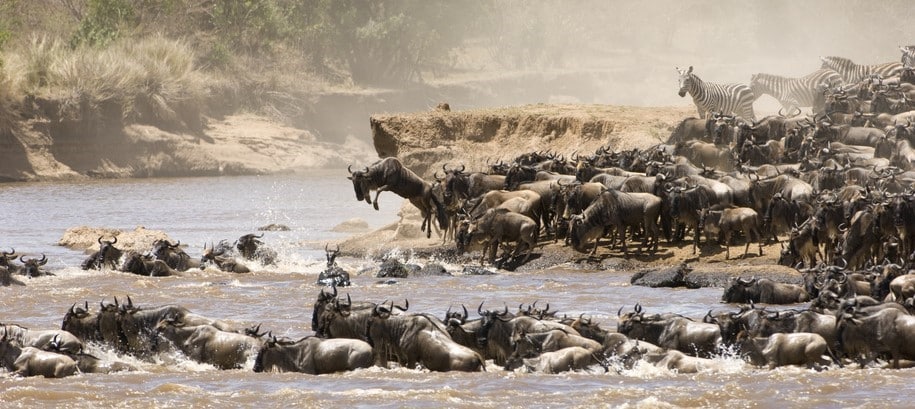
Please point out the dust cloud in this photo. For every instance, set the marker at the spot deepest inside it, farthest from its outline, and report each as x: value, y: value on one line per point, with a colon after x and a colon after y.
x: 624, y: 52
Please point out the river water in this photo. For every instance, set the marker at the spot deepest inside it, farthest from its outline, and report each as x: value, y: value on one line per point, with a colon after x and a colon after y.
x: 203, y: 210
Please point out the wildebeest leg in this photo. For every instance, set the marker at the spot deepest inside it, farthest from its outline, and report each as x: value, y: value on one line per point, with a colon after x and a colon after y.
x: 378, y: 192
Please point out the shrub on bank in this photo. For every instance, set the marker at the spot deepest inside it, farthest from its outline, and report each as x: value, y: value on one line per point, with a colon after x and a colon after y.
x: 153, y: 80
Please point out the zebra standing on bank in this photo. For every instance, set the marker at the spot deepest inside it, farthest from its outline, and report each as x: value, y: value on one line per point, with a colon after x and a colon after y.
x: 853, y: 73
x: 794, y: 93
x: 908, y: 56
x: 709, y: 97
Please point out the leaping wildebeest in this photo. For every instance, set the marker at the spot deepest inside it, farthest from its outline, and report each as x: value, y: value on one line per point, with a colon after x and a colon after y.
x: 389, y: 174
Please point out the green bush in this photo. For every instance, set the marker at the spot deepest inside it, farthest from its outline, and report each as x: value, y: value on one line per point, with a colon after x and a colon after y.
x: 103, y: 22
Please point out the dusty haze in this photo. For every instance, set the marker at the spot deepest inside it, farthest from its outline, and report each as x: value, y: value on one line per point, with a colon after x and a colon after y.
x: 631, y: 48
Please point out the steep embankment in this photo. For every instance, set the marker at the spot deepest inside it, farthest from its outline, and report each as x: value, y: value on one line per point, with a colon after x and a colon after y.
x: 426, y: 140
x: 235, y: 145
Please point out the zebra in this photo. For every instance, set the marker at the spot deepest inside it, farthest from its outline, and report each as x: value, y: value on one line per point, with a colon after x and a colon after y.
x: 799, y: 92
x: 908, y: 56
x: 713, y: 97
x: 853, y: 73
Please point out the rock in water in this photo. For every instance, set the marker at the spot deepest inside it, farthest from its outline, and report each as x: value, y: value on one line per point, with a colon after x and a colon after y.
x: 274, y: 227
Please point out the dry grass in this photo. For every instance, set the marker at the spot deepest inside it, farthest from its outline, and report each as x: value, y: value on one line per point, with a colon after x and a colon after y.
x: 145, y: 80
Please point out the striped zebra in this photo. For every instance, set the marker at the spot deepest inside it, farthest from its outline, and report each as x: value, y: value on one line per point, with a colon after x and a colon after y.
x: 853, y: 73
x: 736, y: 99
x: 799, y: 92
x: 908, y: 56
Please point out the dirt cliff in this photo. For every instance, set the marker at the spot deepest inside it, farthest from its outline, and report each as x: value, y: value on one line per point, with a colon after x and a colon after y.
x: 424, y: 141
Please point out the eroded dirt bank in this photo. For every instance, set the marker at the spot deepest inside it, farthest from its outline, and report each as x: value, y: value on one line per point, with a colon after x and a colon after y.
x: 424, y: 141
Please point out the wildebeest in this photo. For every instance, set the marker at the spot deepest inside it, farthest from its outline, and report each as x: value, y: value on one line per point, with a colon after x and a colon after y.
x: 462, y: 186
x: 146, y: 265
x: 671, y: 332
x: 33, y: 266
x: 251, y: 248
x: 31, y: 361
x: 500, y: 226
x: 729, y: 221
x: 886, y: 331
x: 222, y: 262
x: 136, y: 327
x: 173, y: 255
x: 567, y: 359
x: 763, y: 290
x: 333, y: 275
x: 801, y: 348
x: 82, y: 323
x: 106, y: 256
x: 208, y: 344
x: 530, y: 345
x: 390, y: 175
x: 621, y: 211
x: 496, y: 328
x: 313, y: 355
x: 418, y: 339
x: 43, y: 339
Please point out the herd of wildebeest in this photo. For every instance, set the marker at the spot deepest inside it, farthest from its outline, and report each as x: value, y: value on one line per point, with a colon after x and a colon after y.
x: 834, y: 188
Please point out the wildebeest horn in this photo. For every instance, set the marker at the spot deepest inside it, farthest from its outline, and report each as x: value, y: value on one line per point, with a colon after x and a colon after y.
x: 44, y: 260
x: 843, y: 279
x: 780, y: 111
x: 844, y: 263
x: 71, y: 308
x: 708, y: 318
x: 99, y: 240
x: 174, y: 246
x: 349, y: 168
x: 638, y: 308
x: 11, y: 253
x: 464, y: 317
x: 480, y: 308
x: 129, y: 302
x: 619, y: 312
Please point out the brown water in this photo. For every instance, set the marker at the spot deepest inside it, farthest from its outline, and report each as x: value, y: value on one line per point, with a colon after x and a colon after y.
x: 281, y: 298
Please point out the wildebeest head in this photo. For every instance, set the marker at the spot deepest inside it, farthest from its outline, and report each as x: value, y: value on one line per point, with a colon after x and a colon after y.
x: 685, y: 80
x: 331, y: 255
x: 361, y: 183
x: 248, y: 244
x: 626, y: 322
x: 739, y: 290
x: 455, y: 182
x: 6, y: 257
x: 518, y: 174
x: 488, y: 318
x: 324, y: 298
x: 456, y: 318
x: 162, y: 248
x: 32, y: 266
